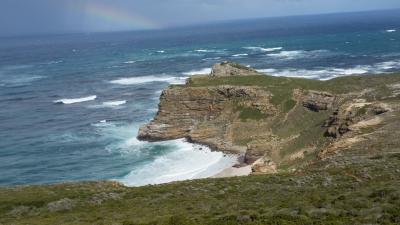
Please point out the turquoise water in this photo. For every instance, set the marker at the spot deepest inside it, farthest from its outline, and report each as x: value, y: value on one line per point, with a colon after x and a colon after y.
x: 70, y: 105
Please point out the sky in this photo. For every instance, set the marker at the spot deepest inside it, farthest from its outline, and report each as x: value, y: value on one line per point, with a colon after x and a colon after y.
x: 25, y: 17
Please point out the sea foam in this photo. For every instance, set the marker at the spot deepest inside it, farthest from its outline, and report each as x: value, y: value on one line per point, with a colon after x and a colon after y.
x: 54, y: 62
x: 264, y: 49
x: 202, y: 50
x: 14, y: 81
x: 178, y: 160
x: 211, y: 59
x: 75, y: 100
x: 391, y: 30
x: 186, y: 161
x: 240, y: 55
x: 198, y: 72
x: 149, y: 79
x: 332, y: 72
x: 114, y: 103
x: 296, y: 54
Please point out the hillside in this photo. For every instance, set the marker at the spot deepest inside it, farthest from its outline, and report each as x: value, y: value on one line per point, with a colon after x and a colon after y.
x: 279, y: 124
x: 321, y: 152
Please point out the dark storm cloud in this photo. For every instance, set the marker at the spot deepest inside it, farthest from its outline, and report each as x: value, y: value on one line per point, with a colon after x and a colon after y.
x: 52, y: 16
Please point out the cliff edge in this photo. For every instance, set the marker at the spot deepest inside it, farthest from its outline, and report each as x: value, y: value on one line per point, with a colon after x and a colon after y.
x: 279, y: 123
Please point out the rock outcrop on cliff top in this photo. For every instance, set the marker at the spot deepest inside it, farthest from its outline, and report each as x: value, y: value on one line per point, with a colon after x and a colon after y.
x: 226, y: 69
x: 276, y: 123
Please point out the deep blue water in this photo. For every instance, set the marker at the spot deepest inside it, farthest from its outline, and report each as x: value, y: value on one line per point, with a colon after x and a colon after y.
x: 123, y: 73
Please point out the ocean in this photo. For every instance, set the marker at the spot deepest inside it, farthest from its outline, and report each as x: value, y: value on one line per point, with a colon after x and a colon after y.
x: 71, y: 105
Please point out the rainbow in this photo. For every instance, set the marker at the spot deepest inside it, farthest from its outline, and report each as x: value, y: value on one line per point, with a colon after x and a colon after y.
x: 124, y: 18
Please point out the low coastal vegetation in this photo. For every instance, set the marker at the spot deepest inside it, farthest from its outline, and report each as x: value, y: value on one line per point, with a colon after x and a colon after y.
x: 363, y: 193
x: 321, y: 152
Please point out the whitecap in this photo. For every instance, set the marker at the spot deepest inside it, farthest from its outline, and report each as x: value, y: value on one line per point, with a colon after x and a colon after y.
x: 264, y: 49
x: 391, y: 30
x: 322, y: 74
x: 186, y: 161
x: 54, y: 62
x: 129, y: 62
x: 288, y: 54
x: 16, y: 67
x: 101, y: 123
x: 160, y: 51
x: 331, y: 72
x: 296, y: 54
x: 75, y: 100
x: 198, y: 72
x: 19, y: 80
x: 202, y: 50
x: 211, y: 59
x: 149, y: 79
x: 240, y: 55
x: 114, y: 103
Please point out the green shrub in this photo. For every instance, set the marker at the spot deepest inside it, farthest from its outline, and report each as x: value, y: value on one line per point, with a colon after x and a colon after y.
x: 251, y: 114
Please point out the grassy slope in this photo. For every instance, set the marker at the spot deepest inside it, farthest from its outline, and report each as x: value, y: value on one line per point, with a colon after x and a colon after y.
x: 353, y: 193
x: 276, y: 84
x: 333, y: 196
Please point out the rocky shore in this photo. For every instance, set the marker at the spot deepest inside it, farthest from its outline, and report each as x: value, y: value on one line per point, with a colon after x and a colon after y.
x: 276, y: 123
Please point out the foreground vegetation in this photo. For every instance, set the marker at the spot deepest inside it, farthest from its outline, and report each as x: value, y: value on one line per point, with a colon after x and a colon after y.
x: 366, y: 193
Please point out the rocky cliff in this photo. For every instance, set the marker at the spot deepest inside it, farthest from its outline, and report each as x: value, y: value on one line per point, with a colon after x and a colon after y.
x: 277, y: 123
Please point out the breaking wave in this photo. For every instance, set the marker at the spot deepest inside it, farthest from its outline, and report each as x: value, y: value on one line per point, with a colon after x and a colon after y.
x: 198, y: 72
x: 17, y: 75
x: 149, y: 79
x: 261, y: 49
x: 290, y: 55
x: 164, y: 161
x: 186, y: 161
x: 332, y: 72
x: 240, y: 55
x: 114, y: 103
x: 202, y: 50
x: 75, y: 100
x: 211, y: 59
x: 19, y: 80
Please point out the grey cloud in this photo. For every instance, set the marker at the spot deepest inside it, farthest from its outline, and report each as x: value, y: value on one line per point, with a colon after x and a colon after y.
x: 53, y: 16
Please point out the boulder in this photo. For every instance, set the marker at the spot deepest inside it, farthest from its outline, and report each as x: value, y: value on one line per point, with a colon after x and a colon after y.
x: 317, y: 101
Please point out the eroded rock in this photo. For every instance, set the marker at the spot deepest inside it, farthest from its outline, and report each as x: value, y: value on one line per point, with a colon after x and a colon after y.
x: 204, y: 114
x: 317, y: 101
x: 227, y: 68
x: 264, y: 165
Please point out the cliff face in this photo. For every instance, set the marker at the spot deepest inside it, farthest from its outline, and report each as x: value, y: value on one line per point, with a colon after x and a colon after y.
x: 203, y: 114
x: 276, y: 123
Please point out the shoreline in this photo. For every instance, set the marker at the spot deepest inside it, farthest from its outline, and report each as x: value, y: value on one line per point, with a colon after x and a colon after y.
x: 187, y: 161
x: 234, y: 172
